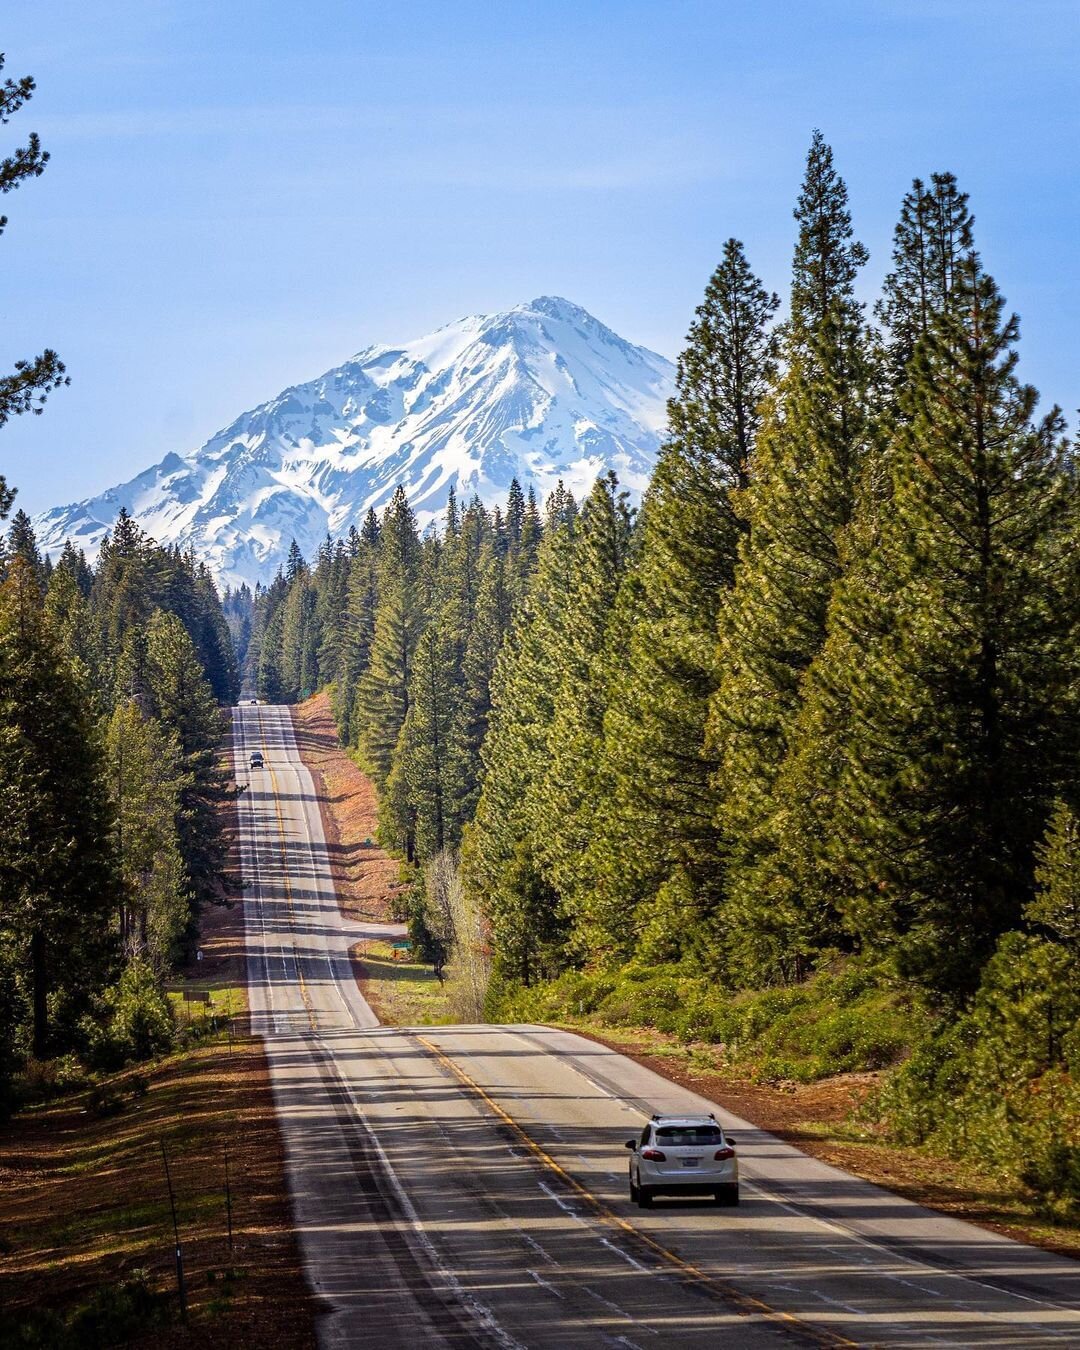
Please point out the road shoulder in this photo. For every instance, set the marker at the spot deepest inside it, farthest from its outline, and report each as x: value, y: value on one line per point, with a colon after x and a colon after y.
x: 365, y: 875
x: 815, y: 1118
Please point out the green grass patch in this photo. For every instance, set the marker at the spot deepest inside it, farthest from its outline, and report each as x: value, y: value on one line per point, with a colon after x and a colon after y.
x: 403, y: 992
x: 840, y: 1021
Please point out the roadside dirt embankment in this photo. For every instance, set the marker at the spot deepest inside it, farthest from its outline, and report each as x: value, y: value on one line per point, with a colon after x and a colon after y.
x: 364, y: 874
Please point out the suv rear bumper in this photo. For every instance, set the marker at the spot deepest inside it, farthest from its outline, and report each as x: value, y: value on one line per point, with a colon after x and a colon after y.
x: 688, y: 1188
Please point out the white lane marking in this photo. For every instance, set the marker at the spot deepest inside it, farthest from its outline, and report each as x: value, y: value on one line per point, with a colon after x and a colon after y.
x: 625, y: 1255
x: 322, y: 878
x: 251, y: 870
x: 540, y: 1250
x: 929, y: 1270
x: 567, y: 1209
x: 543, y: 1283
x: 480, y: 1311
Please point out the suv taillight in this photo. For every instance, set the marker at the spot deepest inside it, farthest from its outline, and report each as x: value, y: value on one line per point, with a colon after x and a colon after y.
x: 722, y: 1153
x: 653, y: 1155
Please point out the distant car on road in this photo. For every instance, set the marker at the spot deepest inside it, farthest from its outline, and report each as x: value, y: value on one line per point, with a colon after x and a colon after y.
x: 683, y: 1155
x: 253, y: 700
x: 256, y: 761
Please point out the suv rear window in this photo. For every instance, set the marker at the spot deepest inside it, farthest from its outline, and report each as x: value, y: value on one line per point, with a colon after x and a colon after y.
x: 684, y: 1135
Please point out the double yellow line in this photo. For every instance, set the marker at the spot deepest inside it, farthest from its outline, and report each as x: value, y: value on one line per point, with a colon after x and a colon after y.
x: 745, y: 1303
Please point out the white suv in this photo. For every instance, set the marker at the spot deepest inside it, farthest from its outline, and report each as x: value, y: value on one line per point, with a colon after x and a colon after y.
x: 683, y: 1155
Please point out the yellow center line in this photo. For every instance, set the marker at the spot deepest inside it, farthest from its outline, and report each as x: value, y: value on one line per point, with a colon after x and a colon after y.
x: 747, y: 1303
x: 304, y: 994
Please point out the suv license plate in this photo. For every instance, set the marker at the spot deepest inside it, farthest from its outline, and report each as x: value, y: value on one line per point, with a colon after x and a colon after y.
x: 689, y: 1162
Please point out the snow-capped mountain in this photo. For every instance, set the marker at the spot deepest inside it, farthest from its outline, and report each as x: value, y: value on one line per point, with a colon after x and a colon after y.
x: 541, y: 392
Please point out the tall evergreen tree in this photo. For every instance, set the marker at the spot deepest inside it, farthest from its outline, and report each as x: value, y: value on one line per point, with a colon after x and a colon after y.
x: 21, y: 543
x: 58, y: 881
x: 809, y: 881
x: 181, y: 698
x: 483, y: 642
x: 655, y: 754
x: 383, y: 691
x: 500, y: 869
x: 33, y: 379
x: 1056, y: 907
x: 69, y: 616
x: 357, y: 625
x: 963, y: 709
x: 932, y: 238
x: 562, y: 800
x: 146, y: 782
x: 810, y: 451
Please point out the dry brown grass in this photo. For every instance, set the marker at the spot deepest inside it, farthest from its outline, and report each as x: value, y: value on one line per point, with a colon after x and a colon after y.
x: 364, y: 874
x: 83, y: 1200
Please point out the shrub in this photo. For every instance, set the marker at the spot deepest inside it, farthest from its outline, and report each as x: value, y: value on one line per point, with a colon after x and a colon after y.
x: 1001, y: 1084
x: 838, y: 1021
x: 113, y: 1315
x: 136, y: 1021
x: 116, y: 1312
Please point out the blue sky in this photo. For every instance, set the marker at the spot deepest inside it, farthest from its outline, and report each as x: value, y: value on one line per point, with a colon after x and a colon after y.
x: 244, y: 192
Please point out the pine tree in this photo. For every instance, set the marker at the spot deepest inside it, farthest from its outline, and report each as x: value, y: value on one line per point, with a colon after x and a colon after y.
x: 932, y: 237
x: 33, y: 379
x: 181, y: 698
x: 436, y: 761
x: 963, y: 702
x: 73, y: 560
x: 484, y: 641
x: 58, y: 881
x: 332, y: 584
x: 419, y: 819
x: 500, y: 871
x: 810, y: 451
x: 1057, y: 905
x: 383, y: 691
x: 810, y: 884
x: 515, y: 514
x: 562, y: 800
x: 294, y: 563
x: 358, y: 625
x: 126, y: 582
x: 21, y: 543
x: 213, y: 640
x: 264, y: 655
x: 299, y: 639
x: 146, y: 782
x: 70, y: 618
x: 663, y: 807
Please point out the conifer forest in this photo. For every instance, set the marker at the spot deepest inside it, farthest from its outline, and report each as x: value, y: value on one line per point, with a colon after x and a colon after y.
x: 799, y: 734
x: 112, y: 786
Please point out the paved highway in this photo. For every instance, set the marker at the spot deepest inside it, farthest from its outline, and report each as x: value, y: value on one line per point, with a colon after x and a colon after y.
x: 466, y: 1186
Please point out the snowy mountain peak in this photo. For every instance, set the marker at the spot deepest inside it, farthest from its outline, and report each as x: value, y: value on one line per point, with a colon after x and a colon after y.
x: 539, y: 392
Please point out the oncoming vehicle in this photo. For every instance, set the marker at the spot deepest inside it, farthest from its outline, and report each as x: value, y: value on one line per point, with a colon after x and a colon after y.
x: 256, y: 761
x: 683, y: 1155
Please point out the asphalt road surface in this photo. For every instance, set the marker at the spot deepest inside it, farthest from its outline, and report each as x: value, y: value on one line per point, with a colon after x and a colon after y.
x: 466, y: 1185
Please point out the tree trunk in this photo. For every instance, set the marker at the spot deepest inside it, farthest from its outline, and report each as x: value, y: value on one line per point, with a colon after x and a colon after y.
x: 39, y: 980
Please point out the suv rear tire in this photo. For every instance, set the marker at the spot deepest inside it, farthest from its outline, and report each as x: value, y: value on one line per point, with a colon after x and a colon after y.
x: 634, y: 1191
x: 645, y: 1197
x: 727, y: 1195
